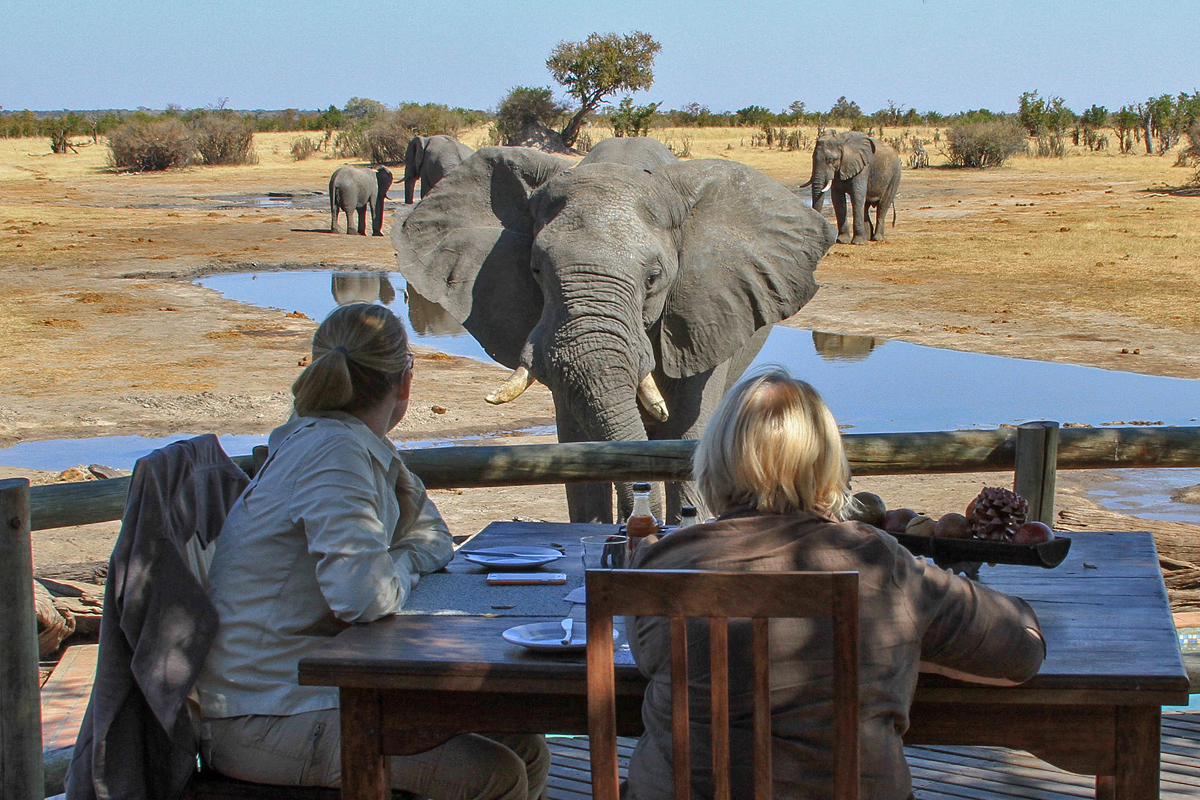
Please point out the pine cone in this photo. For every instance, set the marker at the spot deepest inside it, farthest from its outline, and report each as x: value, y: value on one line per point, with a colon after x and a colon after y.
x: 997, y: 513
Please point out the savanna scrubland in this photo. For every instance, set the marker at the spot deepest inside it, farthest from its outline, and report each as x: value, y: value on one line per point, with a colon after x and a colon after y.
x: 1091, y: 259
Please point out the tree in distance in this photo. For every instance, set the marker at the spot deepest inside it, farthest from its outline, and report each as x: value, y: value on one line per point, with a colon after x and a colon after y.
x: 598, y: 66
x: 525, y: 106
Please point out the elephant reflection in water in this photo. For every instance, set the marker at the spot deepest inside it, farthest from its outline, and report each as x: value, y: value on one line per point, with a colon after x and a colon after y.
x: 842, y: 347
x: 362, y: 287
x: 428, y: 318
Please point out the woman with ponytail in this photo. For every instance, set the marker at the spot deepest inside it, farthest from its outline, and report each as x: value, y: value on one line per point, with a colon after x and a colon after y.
x: 333, y: 530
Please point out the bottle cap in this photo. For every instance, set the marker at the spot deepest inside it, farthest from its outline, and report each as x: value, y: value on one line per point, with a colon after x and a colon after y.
x: 641, y: 486
x: 687, y: 511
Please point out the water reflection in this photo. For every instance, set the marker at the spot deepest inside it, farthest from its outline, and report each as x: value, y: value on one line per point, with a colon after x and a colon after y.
x: 362, y: 287
x: 842, y: 346
x: 428, y: 318
x: 872, y: 385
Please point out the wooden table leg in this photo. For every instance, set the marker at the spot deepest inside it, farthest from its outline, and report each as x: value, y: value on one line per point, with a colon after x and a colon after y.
x: 364, y: 774
x: 1138, y: 743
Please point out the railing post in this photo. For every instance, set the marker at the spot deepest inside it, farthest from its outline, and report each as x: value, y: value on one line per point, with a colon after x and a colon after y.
x: 20, y: 695
x: 1036, y: 465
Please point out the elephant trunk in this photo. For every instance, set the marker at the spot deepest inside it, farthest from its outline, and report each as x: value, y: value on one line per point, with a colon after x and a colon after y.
x: 413, y: 156
x: 818, y: 181
x: 599, y: 376
x: 410, y: 183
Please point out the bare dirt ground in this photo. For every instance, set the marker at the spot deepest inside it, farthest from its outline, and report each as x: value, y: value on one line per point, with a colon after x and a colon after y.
x: 1087, y: 260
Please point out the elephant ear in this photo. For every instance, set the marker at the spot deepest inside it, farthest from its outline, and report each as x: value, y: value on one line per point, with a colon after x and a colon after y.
x: 466, y: 246
x: 414, y: 154
x: 747, y: 251
x: 857, y: 149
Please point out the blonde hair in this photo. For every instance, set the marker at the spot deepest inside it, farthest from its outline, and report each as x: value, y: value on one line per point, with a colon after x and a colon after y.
x: 359, y: 354
x: 773, y: 445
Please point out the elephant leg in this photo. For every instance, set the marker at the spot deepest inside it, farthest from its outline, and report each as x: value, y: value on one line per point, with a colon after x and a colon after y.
x: 333, y: 221
x: 858, y: 199
x: 586, y: 502
x: 839, y: 210
x: 349, y: 220
x: 362, y: 220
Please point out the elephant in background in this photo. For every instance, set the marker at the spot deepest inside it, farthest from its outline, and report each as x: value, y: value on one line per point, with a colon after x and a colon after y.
x: 635, y: 286
x: 430, y: 158
x: 864, y: 168
x: 352, y: 190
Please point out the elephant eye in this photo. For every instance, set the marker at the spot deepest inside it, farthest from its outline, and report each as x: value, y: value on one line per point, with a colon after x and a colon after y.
x: 653, y: 276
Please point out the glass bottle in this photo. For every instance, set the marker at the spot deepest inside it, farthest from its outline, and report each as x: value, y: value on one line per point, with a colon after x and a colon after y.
x: 641, y: 522
x: 687, y: 516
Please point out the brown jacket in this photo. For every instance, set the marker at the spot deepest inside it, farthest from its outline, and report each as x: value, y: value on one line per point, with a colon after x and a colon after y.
x: 909, y: 611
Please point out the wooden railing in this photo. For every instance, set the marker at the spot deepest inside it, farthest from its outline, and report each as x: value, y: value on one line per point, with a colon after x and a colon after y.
x: 65, y: 504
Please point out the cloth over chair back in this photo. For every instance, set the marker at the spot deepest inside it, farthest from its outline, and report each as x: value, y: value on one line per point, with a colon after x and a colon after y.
x: 721, y: 596
x: 137, y: 739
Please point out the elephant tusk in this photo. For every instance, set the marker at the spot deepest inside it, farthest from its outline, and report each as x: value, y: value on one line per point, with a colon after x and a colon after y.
x: 512, y: 388
x: 652, y: 399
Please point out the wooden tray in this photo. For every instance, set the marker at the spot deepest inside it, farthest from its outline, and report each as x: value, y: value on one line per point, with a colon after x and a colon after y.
x: 945, y: 552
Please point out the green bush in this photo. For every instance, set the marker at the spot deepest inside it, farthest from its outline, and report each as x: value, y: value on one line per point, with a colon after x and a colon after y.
x: 303, y: 147
x: 385, y: 141
x: 430, y: 119
x: 147, y: 145
x: 987, y: 143
x: 224, y: 139
x: 383, y: 137
x: 523, y: 106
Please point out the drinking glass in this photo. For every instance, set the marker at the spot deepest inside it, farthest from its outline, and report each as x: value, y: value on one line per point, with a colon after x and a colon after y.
x: 605, y: 552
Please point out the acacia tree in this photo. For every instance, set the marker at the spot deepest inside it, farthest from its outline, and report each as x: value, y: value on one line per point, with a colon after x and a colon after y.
x: 598, y: 66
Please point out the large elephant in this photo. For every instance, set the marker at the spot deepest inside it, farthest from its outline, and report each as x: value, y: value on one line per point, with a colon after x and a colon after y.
x: 351, y: 190
x: 864, y: 168
x: 430, y: 158
x: 635, y: 286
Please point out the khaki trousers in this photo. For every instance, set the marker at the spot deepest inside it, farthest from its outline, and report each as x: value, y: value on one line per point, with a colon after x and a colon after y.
x: 305, y: 750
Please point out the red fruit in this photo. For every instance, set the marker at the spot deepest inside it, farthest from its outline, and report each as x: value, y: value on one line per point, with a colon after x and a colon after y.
x: 1033, y: 533
x: 952, y: 526
x: 897, y: 519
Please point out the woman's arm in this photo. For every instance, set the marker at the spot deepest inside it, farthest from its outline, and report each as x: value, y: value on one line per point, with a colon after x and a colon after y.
x: 421, y: 543
x: 336, y: 498
x: 977, y: 633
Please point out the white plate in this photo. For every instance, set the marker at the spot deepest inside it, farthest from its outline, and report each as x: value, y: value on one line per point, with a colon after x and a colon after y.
x: 548, y: 636
x: 512, y: 557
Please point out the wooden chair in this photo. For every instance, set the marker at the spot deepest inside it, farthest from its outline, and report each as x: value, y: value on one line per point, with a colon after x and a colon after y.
x: 719, y: 596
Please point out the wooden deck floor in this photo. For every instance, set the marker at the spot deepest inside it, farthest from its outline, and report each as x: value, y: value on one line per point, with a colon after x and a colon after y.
x: 956, y: 773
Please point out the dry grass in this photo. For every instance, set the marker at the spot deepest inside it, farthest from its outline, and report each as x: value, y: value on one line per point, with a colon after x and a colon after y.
x: 1089, y: 232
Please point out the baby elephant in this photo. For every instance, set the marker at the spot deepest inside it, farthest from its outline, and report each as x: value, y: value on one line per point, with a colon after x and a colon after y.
x: 352, y: 189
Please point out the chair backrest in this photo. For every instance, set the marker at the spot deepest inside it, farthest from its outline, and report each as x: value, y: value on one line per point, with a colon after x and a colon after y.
x: 720, y: 596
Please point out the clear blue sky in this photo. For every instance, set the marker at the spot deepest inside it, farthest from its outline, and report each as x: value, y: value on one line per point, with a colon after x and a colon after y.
x: 943, y: 55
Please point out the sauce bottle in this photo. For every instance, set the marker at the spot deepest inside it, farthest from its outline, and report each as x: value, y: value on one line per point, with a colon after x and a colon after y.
x: 641, y: 522
x: 687, y: 516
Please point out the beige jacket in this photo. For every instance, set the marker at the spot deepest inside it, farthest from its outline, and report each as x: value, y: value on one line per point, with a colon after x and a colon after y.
x: 334, y: 529
x: 909, y: 611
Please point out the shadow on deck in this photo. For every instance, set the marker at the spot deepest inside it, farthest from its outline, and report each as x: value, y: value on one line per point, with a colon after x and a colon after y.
x: 955, y: 773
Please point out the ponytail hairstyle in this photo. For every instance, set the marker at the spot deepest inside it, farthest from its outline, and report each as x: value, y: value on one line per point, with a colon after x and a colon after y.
x: 773, y: 445
x: 359, y: 354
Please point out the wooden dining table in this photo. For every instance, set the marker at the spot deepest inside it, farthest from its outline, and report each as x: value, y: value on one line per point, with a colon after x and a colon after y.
x: 409, y: 682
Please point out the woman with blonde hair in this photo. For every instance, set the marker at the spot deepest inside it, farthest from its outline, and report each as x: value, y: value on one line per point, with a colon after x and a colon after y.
x: 333, y: 530
x: 771, y: 465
